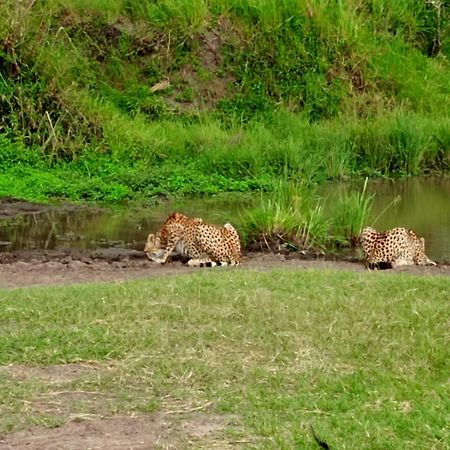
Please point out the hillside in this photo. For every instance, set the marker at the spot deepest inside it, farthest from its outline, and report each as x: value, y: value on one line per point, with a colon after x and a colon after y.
x: 116, y: 99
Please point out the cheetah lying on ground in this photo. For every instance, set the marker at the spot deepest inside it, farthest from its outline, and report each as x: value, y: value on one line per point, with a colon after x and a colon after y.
x: 396, y: 247
x: 203, y: 243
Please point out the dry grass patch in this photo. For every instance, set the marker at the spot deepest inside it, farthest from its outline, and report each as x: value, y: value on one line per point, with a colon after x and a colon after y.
x: 154, y: 431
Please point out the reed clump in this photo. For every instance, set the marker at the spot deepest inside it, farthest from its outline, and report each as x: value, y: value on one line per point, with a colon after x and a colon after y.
x: 295, y: 217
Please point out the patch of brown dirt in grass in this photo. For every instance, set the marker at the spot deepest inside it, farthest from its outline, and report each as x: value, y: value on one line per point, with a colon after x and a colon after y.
x: 73, y: 405
x: 59, y: 373
x: 45, y: 268
x: 211, y: 83
x: 154, y: 431
x: 62, y: 402
x: 88, y: 417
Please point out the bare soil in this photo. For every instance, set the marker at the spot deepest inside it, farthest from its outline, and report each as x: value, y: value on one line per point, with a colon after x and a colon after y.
x: 139, y: 432
x: 86, y: 422
x: 33, y: 268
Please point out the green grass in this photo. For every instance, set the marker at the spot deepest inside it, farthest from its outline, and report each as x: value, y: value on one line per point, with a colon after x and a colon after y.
x: 295, y: 216
x: 291, y: 215
x: 350, y: 213
x: 174, y: 158
x: 254, y: 91
x: 361, y: 357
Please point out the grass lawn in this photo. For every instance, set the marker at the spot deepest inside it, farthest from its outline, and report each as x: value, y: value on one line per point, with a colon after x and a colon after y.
x: 362, y: 358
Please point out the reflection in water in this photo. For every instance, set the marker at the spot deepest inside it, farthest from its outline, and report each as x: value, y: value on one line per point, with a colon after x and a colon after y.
x: 424, y: 206
x: 126, y: 226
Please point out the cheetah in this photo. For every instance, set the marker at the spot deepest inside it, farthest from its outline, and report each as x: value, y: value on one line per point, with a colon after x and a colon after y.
x: 395, y: 247
x: 205, y: 244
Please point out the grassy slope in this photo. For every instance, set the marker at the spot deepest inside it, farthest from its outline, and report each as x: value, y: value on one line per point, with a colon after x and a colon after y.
x: 361, y: 357
x: 117, y: 99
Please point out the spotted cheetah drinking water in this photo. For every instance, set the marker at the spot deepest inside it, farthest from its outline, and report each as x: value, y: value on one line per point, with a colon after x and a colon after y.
x: 395, y: 247
x: 205, y: 244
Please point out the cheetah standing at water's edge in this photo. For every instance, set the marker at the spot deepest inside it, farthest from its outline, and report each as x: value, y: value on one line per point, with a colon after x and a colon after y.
x: 204, y: 243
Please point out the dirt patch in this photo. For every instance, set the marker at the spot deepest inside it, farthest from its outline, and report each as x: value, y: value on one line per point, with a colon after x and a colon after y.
x: 83, y: 418
x: 88, y: 421
x: 59, y: 373
x: 46, y: 268
x: 210, y: 84
x: 74, y: 405
x: 155, y: 431
x: 34, y: 268
x: 62, y: 402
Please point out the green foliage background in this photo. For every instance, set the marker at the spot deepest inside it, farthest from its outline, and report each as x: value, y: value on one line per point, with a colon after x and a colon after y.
x: 122, y: 98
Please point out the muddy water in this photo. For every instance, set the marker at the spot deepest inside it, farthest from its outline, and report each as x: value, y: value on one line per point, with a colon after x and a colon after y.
x: 424, y: 205
x: 87, y: 228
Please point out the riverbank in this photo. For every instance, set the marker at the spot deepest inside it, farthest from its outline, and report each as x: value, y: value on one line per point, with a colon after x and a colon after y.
x: 205, y: 159
x: 38, y: 268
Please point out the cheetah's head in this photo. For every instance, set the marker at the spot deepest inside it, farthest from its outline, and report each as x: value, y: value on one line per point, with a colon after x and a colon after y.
x: 153, y: 247
x: 420, y: 258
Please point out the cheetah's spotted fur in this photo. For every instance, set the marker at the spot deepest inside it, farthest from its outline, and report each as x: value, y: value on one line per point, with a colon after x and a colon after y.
x: 395, y: 247
x: 205, y: 244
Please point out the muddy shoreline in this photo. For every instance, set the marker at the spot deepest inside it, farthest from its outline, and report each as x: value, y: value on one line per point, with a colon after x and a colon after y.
x: 68, y: 266
x: 115, y: 263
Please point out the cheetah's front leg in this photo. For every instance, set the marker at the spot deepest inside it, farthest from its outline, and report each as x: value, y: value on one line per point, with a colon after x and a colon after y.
x: 171, y: 244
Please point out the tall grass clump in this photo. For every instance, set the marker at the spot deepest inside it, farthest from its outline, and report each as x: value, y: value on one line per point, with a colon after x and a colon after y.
x: 289, y: 217
x: 400, y: 143
x: 294, y: 216
x: 350, y: 212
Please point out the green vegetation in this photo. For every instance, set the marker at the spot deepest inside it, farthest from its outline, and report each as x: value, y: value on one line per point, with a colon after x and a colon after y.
x: 116, y: 100
x: 350, y: 213
x: 361, y: 357
x: 293, y: 216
